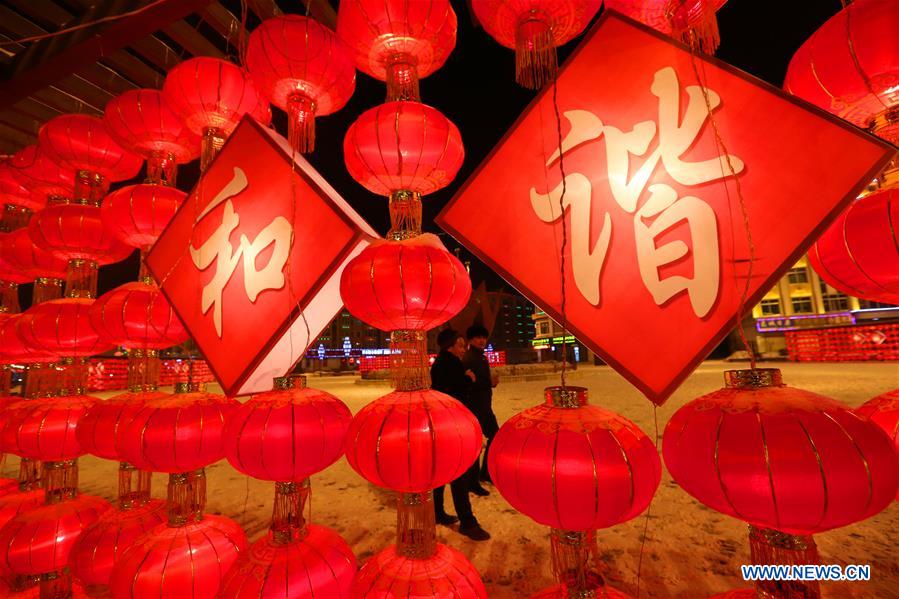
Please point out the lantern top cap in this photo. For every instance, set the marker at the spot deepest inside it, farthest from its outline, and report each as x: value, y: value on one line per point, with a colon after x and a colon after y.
x: 566, y: 397
x: 190, y: 387
x: 753, y: 378
x: 293, y: 381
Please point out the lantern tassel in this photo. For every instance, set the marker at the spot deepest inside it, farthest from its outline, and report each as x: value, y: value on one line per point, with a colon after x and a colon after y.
x: 416, y: 525
x: 301, y: 123
x: 186, y: 497
x: 695, y: 24
x: 162, y: 169
x: 536, y: 62
x: 56, y: 585
x: 29, y: 474
x: 60, y: 480
x: 409, y: 367
x: 767, y: 546
x: 133, y: 491
x: 212, y: 142
x: 402, y: 79
x: 574, y: 561
x: 288, y: 523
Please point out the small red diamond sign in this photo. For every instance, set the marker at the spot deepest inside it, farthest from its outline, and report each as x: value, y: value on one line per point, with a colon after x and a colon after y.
x: 657, y: 255
x: 252, y: 260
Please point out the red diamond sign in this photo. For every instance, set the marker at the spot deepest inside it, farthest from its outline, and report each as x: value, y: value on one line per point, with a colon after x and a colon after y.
x: 657, y: 255
x: 252, y: 260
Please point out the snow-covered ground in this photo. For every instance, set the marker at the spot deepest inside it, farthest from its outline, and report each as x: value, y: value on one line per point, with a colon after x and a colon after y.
x: 690, y: 551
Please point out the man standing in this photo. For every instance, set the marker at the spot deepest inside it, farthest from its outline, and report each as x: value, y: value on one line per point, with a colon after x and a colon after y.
x: 450, y: 377
x: 480, y: 397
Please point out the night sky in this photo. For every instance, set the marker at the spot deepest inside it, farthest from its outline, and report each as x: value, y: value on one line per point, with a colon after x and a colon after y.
x: 477, y: 91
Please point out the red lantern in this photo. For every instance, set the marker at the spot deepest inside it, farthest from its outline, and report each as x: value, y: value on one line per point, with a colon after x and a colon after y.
x: 178, y: 433
x: 883, y: 411
x: 39, y: 540
x: 403, y: 146
x: 99, y: 427
x: 10, y: 277
x: 29, y: 259
x: 13, y: 504
x: 858, y: 253
x: 179, y: 561
x: 138, y: 214
x: 211, y: 96
x: 447, y: 573
x: 137, y: 315
x: 14, y: 349
x: 287, y: 434
x: 320, y: 564
x: 574, y: 466
x: 43, y: 177
x: 14, y: 193
x: 44, y: 429
x: 141, y: 121
x: 63, y: 328
x: 103, y: 543
x: 850, y: 67
x: 533, y: 28
x: 413, y: 441
x: 398, y: 41
x: 81, y: 143
x: 692, y: 21
x: 780, y: 458
x: 411, y: 284
x: 304, y: 69
x: 75, y: 231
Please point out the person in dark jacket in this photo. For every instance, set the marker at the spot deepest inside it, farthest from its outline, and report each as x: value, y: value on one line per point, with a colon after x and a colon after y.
x: 480, y: 396
x: 450, y: 377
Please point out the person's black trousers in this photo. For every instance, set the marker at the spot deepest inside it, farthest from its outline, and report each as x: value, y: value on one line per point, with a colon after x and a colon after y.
x: 459, y: 490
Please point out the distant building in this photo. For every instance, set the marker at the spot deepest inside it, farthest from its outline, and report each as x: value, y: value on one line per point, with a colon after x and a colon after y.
x: 548, y: 341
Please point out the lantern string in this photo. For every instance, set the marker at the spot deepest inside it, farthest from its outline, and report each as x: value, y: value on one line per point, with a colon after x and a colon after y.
x: 719, y: 141
x: 655, y: 440
x: 564, y: 297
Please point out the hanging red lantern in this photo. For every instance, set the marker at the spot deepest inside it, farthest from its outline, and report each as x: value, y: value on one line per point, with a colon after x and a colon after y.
x: 779, y: 457
x: 858, y: 254
x: 106, y: 540
x: 44, y: 178
x: 320, y: 564
x: 29, y: 259
x: 39, y: 540
x: 99, y: 427
x: 397, y: 41
x: 137, y: 315
x: 138, y: 214
x: 14, y: 349
x: 447, y: 573
x: 44, y: 429
x: 403, y: 146
x: 304, y: 69
x: 16, y: 195
x: 75, y: 231
x: 63, y: 328
x: 211, y: 96
x: 287, y: 434
x: 187, y: 561
x: 413, y: 441
x: 13, y: 504
x: 534, y: 28
x: 574, y: 466
x: 10, y: 277
x: 178, y: 433
x: 692, y: 21
x: 883, y: 411
x: 81, y: 143
x: 850, y: 67
x: 140, y: 120
x: 410, y: 284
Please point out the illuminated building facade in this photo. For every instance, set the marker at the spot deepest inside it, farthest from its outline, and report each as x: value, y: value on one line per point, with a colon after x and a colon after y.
x: 548, y: 341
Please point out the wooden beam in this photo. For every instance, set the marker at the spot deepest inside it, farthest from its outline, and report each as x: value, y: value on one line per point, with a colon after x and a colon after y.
x: 128, y: 65
x: 11, y: 139
x: 223, y: 21
x: 49, y: 60
x: 192, y: 40
x: 264, y: 9
x: 323, y: 12
x: 105, y: 78
x: 156, y: 52
x: 46, y: 13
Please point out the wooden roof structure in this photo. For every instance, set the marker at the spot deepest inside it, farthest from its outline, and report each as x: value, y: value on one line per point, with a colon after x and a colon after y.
x: 133, y: 45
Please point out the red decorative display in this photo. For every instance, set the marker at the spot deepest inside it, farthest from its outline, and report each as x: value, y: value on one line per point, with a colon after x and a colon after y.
x: 883, y: 411
x: 286, y: 434
x: 850, y: 67
x: 253, y: 259
x: 413, y: 441
x: 176, y: 433
x: 179, y: 561
x: 574, y: 466
x: 411, y: 284
x: 43, y: 177
x: 75, y: 231
x: 14, y: 349
x: 843, y: 344
x: 98, y: 429
x: 13, y: 191
x: 44, y: 429
x: 403, y: 146
x: 137, y: 315
x: 63, y: 328
x: 320, y: 564
x: 656, y: 246
x: 692, y: 21
x: 29, y: 259
x: 447, y: 573
x: 858, y: 254
x: 533, y: 28
x: 397, y: 41
x: 781, y: 458
x: 138, y: 214
x: 304, y: 69
x: 82, y: 143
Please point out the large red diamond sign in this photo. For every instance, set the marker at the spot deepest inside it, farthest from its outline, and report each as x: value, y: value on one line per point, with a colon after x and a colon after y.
x: 252, y: 260
x: 657, y: 257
